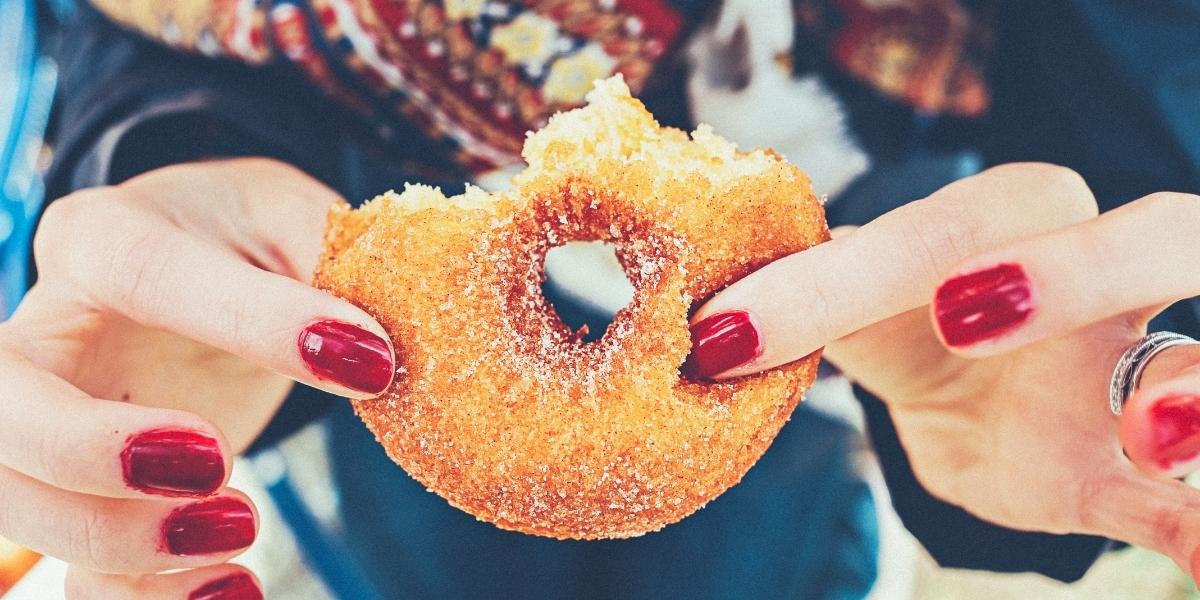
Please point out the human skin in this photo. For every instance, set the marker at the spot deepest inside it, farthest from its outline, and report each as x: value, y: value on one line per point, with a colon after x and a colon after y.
x: 989, y: 318
x: 172, y: 315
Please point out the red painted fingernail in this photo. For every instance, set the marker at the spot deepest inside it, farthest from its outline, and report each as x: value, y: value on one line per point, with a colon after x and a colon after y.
x: 173, y: 463
x: 234, y: 587
x: 220, y: 525
x: 722, y: 342
x: 1175, y: 427
x: 982, y: 305
x: 347, y: 355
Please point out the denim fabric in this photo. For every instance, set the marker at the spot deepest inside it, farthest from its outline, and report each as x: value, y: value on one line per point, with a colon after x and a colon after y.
x: 800, y: 525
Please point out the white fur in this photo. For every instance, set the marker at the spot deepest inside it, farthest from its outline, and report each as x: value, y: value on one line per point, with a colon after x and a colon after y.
x: 798, y: 117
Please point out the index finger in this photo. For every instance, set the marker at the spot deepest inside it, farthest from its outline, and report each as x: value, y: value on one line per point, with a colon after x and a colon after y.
x: 795, y: 305
x: 142, y: 266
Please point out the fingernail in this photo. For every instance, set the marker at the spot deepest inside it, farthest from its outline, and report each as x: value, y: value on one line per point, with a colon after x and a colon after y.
x: 173, y: 463
x: 220, y: 525
x: 1175, y: 427
x: 234, y: 587
x: 982, y: 305
x: 347, y: 355
x: 722, y: 342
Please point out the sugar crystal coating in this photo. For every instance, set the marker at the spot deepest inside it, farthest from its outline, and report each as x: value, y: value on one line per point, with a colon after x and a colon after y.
x: 497, y: 406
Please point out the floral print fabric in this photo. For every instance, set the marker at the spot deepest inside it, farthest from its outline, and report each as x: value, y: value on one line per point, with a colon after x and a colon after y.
x: 475, y: 75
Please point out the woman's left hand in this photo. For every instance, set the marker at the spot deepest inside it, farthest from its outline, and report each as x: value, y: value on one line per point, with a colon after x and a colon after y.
x: 989, y: 318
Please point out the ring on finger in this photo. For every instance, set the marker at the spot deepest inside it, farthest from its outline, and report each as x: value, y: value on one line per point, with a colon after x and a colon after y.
x: 1128, y: 373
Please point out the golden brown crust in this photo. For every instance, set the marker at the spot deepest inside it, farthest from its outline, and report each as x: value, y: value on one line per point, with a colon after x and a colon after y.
x: 495, y: 406
x: 15, y: 562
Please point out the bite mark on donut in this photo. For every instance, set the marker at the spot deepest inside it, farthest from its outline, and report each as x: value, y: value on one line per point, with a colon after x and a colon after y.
x: 498, y: 406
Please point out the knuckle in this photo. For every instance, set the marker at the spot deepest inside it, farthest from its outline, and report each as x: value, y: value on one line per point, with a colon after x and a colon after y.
x: 820, y: 311
x: 61, y: 212
x: 1088, y: 495
x: 277, y: 172
x: 1053, y: 187
x: 88, y: 541
x: 137, y: 262
x: 74, y: 208
x: 239, y: 322
x: 941, y: 235
x: 82, y: 234
x: 48, y: 459
x: 1045, y: 174
x: 65, y: 220
x: 824, y: 298
x: 1062, y: 178
x: 1168, y: 529
x: 1173, y: 207
x: 269, y: 165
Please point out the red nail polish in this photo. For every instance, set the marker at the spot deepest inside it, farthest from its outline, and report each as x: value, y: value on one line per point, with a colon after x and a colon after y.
x: 235, y: 587
x: 210, y: 527
x: 347, y: 355
x: 173, y: 463
x: 1175, y: 427
x: 982, y: 305
x: 722, y: 342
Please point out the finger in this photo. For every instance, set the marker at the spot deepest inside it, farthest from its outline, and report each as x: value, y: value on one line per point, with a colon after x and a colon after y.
x: 133, y: 263
x: 222, y: 582
x: 1141, y: 255
x: 796, y: 304
x: 53, y: 432
x: 246, y: 199
x: 868, y: 356
x: 124, y: 536
x: 1160, y: 424
x: 842, y: 231
x: 1160, y: 514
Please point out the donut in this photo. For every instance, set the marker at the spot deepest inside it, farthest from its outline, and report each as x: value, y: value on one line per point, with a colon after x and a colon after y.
x: 503, y: 410
x: 15, y: 562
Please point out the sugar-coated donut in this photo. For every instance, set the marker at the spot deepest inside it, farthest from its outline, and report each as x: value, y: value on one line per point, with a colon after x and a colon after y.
x: 497, y: 406
x: 15, y: 562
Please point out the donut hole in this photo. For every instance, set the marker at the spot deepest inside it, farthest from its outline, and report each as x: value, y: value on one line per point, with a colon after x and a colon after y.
x: 586, y: 286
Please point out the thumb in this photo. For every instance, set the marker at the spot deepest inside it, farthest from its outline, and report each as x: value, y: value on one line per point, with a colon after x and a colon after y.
x: 1160, y: 425
x: 1160, y: 514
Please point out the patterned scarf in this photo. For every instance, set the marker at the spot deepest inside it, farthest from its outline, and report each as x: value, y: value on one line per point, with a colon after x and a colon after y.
x: 477, y: 74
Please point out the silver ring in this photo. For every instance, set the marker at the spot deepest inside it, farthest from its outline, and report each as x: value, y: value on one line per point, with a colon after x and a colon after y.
x: 1128, y: 374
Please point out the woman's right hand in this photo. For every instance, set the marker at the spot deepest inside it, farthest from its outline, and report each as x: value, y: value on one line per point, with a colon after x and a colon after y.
x: 988, y: 317
x: 170, y: 318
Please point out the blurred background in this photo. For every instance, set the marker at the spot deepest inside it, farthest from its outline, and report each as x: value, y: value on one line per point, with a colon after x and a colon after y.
x: 303, y: 551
